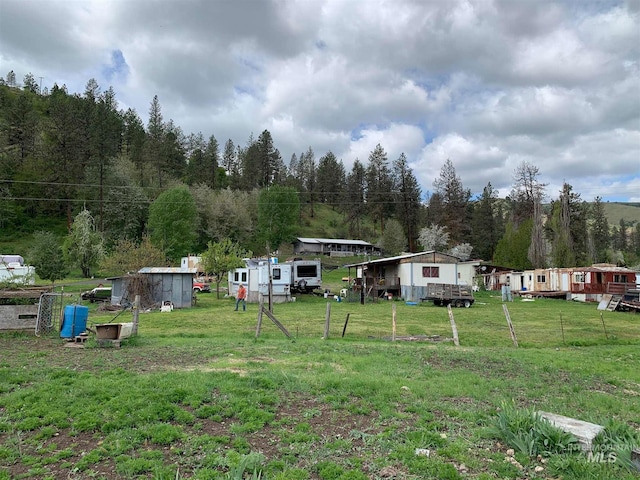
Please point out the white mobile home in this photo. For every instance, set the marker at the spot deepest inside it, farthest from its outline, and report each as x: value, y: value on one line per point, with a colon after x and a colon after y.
x: 407, y: 276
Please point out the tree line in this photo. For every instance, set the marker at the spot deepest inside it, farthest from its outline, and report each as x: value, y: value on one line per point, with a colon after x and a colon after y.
x: 62, y: 154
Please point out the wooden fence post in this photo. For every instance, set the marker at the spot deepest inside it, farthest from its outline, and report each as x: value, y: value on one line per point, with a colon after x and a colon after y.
x: 603, y: 326
x: 326, y: 321
x: 260, y: 308
x: 454, y: 329
x: 511, y: 329
x: 393, y: 322
x: 136, y: 315
x: 346, y: 321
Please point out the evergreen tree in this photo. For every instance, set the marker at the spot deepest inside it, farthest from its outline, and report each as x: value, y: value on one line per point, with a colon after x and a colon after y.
x: 11, y: 79
x: 66, y: 147
x: 211, y: 162
x: 229, y: 157
x: 407, y: 199
x: 393, y: 241
x: 308, y: 170
x: 485, y: 234
x: 537, y: 252
x: 562, y: 249
x: 379, y: 196
x: 331, y: 180
x: 599, y: 231
x: 153, y: 146
x: 355, y: 207
x: 435, y: 210
x: 29, y: 84
x: 196, y: 167
x: 133, y: 140
x: 20, y: 129
x: 620, y: 239
x: 512, y: 249
x: 455, y: 199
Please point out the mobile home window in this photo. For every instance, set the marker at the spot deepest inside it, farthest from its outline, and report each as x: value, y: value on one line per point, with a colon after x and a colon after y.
x: 244, y: 276
x: 276, y: 273
x: 541, y: 278
x: 431, y: 272
x: 236, y: 276
x: 617, y: 278
x: 578, y: 277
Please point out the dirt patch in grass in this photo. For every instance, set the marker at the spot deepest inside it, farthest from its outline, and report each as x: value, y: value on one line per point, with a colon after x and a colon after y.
x: 323, y: 424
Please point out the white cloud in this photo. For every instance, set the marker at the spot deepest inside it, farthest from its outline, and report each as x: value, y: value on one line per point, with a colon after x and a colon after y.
x: 486, y: 83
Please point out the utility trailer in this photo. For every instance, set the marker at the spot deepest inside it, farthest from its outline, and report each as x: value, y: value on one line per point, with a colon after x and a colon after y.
x: 443, y: 294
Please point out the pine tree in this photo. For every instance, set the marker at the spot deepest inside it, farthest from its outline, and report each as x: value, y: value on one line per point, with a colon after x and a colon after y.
x: 407, y: 199
x: 379, y: 196
x: 485, y: 234
x: 330, y: 180
x: 211, y: 161
x: 599, y: 231
x: 455, y: 199
x: 355, y: 207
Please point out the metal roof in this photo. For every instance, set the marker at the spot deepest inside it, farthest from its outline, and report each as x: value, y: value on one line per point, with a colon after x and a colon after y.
x: 401, y: 257
x: 168, y: 270
x: 334, y: 240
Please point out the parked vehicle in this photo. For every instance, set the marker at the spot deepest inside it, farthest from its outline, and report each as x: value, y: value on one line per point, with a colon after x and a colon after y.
x: 98, y: 294
x: 306, y: 275
x: 201, y: 287
x: 443, y: 294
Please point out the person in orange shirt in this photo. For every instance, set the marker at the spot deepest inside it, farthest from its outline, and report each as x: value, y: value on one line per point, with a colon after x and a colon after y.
x: 241, y: 296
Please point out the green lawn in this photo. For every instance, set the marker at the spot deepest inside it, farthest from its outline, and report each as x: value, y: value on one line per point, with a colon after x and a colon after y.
x: 197, y: 395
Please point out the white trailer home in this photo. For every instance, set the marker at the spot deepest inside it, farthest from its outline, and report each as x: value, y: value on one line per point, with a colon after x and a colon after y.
x: 255, y: 277
x: 407, y: 276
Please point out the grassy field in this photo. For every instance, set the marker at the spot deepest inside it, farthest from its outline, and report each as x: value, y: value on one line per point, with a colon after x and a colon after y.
x: 197, y: 395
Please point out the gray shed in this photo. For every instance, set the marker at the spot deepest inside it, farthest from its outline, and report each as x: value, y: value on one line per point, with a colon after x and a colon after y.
x: 167, y: 284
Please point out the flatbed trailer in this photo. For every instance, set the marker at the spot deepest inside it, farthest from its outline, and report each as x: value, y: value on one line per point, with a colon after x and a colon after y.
x: 443, y: 294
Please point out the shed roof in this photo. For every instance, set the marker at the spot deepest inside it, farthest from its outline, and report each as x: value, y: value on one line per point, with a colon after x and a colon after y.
x: 192, y: 271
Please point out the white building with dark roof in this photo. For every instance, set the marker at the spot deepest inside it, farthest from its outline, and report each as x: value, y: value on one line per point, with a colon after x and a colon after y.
x: 334, y: 247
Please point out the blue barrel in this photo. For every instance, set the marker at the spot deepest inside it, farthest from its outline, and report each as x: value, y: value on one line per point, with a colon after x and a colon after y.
x: 74, y: 321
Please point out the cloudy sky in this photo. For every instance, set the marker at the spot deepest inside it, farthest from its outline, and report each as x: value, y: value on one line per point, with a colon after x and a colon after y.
x: 486, y: 83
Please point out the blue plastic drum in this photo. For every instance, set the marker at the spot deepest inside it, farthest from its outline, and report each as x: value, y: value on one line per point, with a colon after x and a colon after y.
x: 74, y: 321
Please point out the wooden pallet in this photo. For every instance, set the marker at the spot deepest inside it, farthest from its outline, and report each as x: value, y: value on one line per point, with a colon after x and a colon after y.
x: 614, y: 302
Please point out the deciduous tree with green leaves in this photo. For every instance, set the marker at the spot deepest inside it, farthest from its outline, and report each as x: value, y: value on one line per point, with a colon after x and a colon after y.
x: 83, y: 247
x: 220, y: 257
x: 278, y: 210
x: 129, y: 256
x: 172, y: 222
x: 47, y: 257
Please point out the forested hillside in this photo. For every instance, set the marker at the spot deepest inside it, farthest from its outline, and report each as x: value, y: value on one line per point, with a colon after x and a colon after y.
x: 64, y: 154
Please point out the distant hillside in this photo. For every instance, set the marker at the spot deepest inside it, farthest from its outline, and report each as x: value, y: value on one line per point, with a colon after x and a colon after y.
x: 630, y: 212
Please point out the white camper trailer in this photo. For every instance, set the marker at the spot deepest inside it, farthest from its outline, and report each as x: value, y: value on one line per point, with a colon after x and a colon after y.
x: 13, y: 270
x: 255, y: 276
